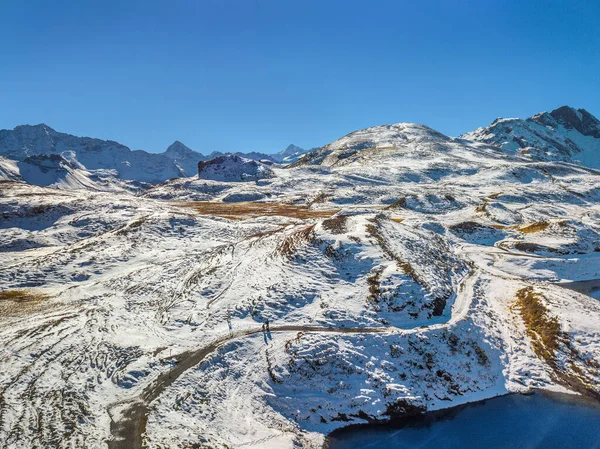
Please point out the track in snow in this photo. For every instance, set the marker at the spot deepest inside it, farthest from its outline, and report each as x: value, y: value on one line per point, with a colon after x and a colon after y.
x: 128, y: 431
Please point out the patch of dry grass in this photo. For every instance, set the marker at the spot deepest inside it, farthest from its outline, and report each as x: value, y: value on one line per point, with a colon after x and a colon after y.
x: 468, y: 227
x: 295, y: 240
x: 374, y: 289
x: 397, y: 204
x: 16, y: 302
x: 336, y: 225
x: 534, y: 227
x: 543, y: 329
x: 321, y: 197
x: 554, y: 346
x: 245, y: 210
x: 529, y: 247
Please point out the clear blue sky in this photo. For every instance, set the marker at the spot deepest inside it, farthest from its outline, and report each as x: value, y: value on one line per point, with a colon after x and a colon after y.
x: 258, y: 75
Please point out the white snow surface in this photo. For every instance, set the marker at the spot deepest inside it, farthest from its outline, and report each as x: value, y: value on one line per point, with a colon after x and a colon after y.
x: 390, y: 282
x: 564, y: 134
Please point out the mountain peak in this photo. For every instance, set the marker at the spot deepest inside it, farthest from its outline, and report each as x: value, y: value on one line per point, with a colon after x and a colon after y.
x: 578, y: 119
x: 178, y: 148
x: 39, y: 127
x: 564, y: 134
x: 291, y: 148
x: 290, y: 154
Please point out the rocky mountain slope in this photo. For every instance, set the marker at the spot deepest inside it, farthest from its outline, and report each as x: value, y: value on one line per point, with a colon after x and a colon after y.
x: 232, y: 168
x: 93, y: 154
x: 565, y: 134
x: 114, y: 163
x: 401, y: 271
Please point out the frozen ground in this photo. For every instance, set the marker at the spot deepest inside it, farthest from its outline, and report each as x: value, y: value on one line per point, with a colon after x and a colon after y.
x: 388, y: 265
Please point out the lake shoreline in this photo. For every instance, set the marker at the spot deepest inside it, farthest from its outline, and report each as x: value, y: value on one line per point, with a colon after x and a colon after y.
x: 427, y: 419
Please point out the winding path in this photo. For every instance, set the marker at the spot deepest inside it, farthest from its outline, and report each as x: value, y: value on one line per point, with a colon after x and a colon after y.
x: 128, y: 418
x: 127, y: 432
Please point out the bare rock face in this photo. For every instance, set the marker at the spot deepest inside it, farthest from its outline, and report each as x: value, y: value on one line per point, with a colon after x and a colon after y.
x: 578, y: 119
x: 232, y: 168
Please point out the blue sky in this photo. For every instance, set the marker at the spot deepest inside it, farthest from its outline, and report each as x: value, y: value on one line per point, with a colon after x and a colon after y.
x: 258, y: 75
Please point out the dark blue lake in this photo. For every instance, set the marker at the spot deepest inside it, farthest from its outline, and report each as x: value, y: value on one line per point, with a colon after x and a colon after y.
x: 538, y: 421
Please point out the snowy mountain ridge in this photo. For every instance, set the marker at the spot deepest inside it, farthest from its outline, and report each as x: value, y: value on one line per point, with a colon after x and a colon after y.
x: 564, y: 134
x: 400, y: 270
x: 93, y: 154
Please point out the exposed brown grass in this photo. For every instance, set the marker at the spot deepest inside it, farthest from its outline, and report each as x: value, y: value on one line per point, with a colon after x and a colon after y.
x: 131, y: 227
x: 543, y: 329
x: 397, y: 219
x: 374, y: 288
x: 397, y: 204
x: 373, y: 230
x: 467, y: 226
x: 21, y: 296
x: 534, y: 227
x: 15, y: 302
x: 549, y: 341
x: 336, y: 225
x: 295, y: 240
x: 244, y: 210
x: 321, y: 197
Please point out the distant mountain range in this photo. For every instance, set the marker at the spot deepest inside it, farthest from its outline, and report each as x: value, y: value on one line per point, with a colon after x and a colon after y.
x: 187, y: 159
x: 565, y: 134
x: 42, y: 156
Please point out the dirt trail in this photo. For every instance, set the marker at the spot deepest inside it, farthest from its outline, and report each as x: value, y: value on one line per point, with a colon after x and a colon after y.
x: 128, y: 418
x: 128, y: 430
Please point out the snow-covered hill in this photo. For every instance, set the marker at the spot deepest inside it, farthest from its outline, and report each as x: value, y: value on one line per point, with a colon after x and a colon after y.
x: 565, y: 134
x: 401, y: 270
x: 55, y: 171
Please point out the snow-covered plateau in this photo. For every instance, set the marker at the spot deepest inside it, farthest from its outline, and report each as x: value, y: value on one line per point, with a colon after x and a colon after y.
x: 399, y: 270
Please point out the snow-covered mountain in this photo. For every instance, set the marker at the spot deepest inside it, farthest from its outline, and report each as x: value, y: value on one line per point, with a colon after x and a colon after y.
x: 187, y: 159
x: 290, y: 154
x: 401, y: 271
x: 92, y: 154
x: 565, y: 134
x: 184, y: 157
x: 379, y: 143
x: 114, y: 163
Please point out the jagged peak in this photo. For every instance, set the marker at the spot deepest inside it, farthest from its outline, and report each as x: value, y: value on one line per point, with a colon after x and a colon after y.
x: 178, y: 146
x: 39, y: 126
x: 291, y: 148
x: 578, y: 119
